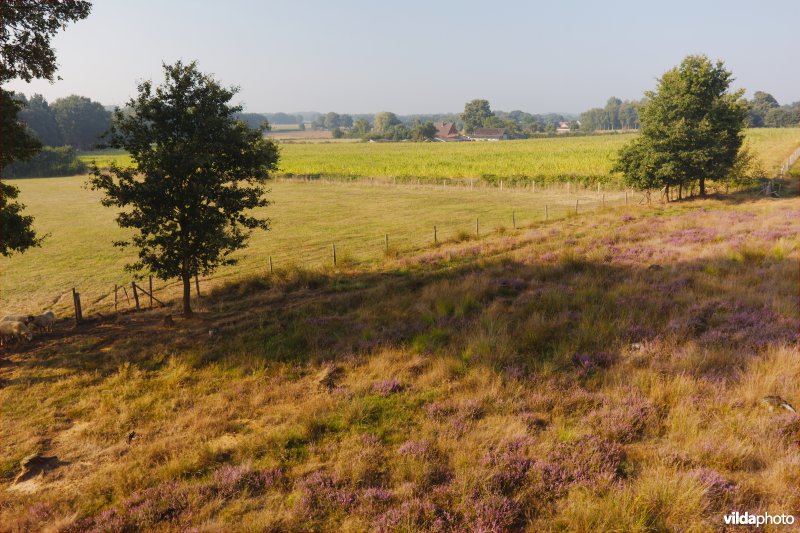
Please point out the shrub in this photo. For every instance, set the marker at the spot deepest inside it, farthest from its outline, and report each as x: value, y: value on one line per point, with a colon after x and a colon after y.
x: 49, y: 162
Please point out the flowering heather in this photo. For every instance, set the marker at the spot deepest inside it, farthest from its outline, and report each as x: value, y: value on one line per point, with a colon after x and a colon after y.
x: 440, y: 410
x: 493, y: 514
x: 788, y: 427
x: 587, y: 363
x: 692, y: 236
x: 717, y: 486
x: 323, y: 493
x: 750, y: 327
x: 167, y: 503
x: 229, y: 480
x: 413, y: 515
x: 416, y: 449
x: 775, y: 234
x: 387, y: 387
x: 590, y: 462
x: 624, y: 421
x: 509, y: 466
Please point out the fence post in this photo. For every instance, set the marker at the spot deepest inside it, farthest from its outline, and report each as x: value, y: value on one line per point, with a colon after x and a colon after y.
x: 545, y: 212
x: 533, y: 185
x: 151, y: 291
x: 386, y: 241
x: 135, y: 294
x: 604, y: 200
x: 76, y: 301
x: 576, y: 207
x: 435, y: 237
x: 501, y: 185
x: 626, y: 197
x: 514, y: 219
x: 477, y: 229
x: 270, y: 264
x: 334, y: 254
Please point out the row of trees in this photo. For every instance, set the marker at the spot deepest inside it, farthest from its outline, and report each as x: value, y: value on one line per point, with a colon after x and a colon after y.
x: 616, y: 115
x: 765, y: 111
x: 74, y: 121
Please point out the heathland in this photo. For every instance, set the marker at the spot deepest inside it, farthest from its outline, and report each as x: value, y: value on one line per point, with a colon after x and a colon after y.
x: 620, y: 370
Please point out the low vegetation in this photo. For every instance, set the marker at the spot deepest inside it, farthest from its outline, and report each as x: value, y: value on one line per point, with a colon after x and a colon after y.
x: 607, y: 372
x: 586, y: 159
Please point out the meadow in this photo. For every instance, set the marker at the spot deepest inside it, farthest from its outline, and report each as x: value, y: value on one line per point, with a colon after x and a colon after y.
x: 307, y: 219
x: 585, y: 159
x: 609, y: 372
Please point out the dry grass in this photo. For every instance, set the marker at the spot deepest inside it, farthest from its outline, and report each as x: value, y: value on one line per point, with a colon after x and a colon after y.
x: 601, y: 375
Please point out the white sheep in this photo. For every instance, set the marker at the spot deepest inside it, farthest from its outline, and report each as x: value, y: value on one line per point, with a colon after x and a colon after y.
x: 43, y: 322
x: 14, y: 330
x: 25, y: 319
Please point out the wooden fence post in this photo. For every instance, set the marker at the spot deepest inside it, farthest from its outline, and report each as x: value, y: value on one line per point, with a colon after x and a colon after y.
x: 514, y: 219
x: 477, y: 229
x: 76, y: 301
x: 270, y: 264
x: 545, y: 212
x: 626, y: 197
x: 151, y: 291
x: 334, y: 254
x: 435, y: 237
x: 135, y: 294
x: 604, y: 200
x: 576, y: 207
x: 386, y: 241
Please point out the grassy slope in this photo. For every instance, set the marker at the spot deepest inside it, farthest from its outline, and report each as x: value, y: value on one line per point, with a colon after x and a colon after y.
x: 308, y: 217
x: 604, y: 373
x: 543, y: 159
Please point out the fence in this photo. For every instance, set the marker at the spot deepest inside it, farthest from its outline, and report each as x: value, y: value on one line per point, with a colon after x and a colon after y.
x: 789, y: 163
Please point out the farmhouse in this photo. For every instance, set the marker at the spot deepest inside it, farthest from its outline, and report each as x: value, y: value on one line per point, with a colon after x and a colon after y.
x: 563, y: 127
x: 447, y: 131
x: 489, y: 134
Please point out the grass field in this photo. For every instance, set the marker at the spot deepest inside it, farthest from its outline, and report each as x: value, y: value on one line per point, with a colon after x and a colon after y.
x: 617, y: 372
x: 307, y: 219
x: 552, y: 159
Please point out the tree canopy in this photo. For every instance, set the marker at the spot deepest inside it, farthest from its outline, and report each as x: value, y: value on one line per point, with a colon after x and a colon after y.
x: 475, y: 114
x: 26, y: 28
x: 198, y: 173
x: 692, y: 129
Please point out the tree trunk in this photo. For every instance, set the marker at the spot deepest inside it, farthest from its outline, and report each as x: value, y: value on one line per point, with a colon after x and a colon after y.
x: 680, y: 191
x: 187, y: 294
x: 702, y: 186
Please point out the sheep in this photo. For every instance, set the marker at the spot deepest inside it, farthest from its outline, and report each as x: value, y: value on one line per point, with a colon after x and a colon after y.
x: 25, y: 319
x: 44, y: 322
x: 14, y: 330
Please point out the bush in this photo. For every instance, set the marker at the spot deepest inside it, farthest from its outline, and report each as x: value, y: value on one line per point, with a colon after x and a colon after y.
x: 61, y: 161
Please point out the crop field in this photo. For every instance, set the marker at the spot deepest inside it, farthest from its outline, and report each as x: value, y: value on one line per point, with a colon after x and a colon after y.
x: 308, y: 218
x: 584, y: 159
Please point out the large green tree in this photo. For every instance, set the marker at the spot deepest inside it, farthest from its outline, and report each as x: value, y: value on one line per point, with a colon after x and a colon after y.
x: 26, y: 28
x: 385, y: 121
x: 81, y: 121
x: 692, y: 129
x: 40, y: 118
x: 198, y: 173
x: 475, y: 114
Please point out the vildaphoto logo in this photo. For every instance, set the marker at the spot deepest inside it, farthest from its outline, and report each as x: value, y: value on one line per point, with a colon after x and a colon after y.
x: 736, y: 518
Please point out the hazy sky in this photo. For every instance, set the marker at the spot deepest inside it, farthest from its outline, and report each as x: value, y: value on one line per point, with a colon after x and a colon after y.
x: 425, y: 56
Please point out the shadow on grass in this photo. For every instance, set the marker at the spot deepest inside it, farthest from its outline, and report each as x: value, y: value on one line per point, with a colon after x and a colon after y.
x: 513, y: 316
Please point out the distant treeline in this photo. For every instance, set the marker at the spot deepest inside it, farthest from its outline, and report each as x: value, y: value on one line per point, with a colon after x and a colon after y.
x: 764, y: 112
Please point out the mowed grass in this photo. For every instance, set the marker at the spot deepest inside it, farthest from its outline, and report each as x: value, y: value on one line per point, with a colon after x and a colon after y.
x: 550, y: 159
x: 308, y: 218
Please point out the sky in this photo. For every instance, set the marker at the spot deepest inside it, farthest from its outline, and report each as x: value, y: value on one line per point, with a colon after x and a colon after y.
x: 429, y: 56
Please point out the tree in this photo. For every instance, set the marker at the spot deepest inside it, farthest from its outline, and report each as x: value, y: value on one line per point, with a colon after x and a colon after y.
x: 692, y: 129
x: 385, y: 121
x: 39, y: 117
x: 26, y: 27
x: 361, y: 128
x: 759, y: 106
x: 198, y: 173
x: 423, y: 131
x: 331, y: 121
x: 81, y: 121
x: 475, y: 114
x: 493, y: 122
x: 780, y: 117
